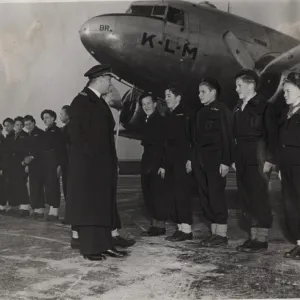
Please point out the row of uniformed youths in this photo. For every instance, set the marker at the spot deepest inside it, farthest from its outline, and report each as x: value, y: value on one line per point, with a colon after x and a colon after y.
x: 252, y: 139
x: 44, y: 157
x: 38, y: 155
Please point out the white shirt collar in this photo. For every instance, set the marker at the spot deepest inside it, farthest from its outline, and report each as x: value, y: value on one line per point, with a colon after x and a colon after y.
x: 96, y: 92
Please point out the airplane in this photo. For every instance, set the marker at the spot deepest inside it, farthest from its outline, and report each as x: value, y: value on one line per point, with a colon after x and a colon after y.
x: 155, y: 43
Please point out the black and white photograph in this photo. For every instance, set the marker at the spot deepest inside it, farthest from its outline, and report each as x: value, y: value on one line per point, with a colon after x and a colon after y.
x: 149, y: 149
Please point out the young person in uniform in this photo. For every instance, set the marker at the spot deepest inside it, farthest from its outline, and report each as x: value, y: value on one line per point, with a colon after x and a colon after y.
x: 213, y: 155
x: 2, y: 181
x: 52, y: 160
x: 8, y: 124
x: 35, y: 163
x: 176, y: 166
x: 17, y: 148
x: 289, y: 162
x: 255, y: 131
x: 152, y: 184
x: 65, y: 118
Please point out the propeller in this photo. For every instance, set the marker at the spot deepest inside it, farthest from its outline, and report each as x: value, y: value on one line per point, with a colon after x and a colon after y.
x: 272, y: 72
x: 114, y: 98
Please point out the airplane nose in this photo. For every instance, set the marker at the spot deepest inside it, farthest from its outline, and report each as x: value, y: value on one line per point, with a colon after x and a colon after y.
x: 97, y: 33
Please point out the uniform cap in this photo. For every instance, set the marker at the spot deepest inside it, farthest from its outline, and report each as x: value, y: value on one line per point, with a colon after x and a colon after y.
x: 212, y: 82
x: 249, y: 73
x: 294, y: 78
x: 98, y: 70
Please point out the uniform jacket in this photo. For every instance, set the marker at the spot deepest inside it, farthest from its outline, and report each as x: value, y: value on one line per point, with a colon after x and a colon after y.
x: 36, y: 141
x: 2, y: 140
x: 54, y: 141
x: 153, y: 137
x: 177, y: 137
x: 213, y: 134
x: 92, y: 175
x: 257, y: 123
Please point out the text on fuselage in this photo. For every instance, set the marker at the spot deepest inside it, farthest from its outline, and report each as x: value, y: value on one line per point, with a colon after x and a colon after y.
x: 186, y: 50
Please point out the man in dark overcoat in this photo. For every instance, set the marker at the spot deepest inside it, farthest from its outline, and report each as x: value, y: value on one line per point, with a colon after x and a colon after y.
x: 91, y: 189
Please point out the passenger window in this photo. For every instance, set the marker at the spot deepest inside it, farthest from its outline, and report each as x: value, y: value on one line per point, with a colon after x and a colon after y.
x: 175, y: 16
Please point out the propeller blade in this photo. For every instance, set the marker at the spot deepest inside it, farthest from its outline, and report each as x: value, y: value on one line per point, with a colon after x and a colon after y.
x: 238, y: 50
x: 288, y: 60
x: 114, y: 98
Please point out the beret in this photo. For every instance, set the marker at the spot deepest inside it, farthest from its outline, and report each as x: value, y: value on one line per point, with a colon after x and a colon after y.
x: 249, y: 73
x: 212, y: 82
x: 98, y: 70
x: 294, y: 78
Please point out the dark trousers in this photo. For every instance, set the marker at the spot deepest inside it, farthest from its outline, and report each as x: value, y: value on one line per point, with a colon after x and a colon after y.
x: 36, y: 184
x: 64, y: 174
x: 52, y: 183
x: 17, y: 191
x: 94, y: 239
x: 152, y: 188
x: 3, y: 199
x: 178, y: 193
x: 290, y: 179
x: 211, y: 187
x: 252, y: 186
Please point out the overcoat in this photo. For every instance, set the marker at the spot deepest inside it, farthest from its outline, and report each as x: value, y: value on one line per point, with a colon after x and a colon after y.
x: 92, y: 176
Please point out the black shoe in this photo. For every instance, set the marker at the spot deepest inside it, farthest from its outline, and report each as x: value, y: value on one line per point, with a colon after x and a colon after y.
x: 181, y: 237
x: 206, y: 239
x: 22, y: 213
x: 95, y: 257
x: 3, y: 212
x: 154, y: 231
x: 12, y: 213
x: 255, y: 246
x: 63, y: 221
x: 294, y: 253
x: 121, y: 242
x: 75, y: 243
x: 215, y: 241
x: 176, y: 234
x: 37, y: 216
x: 244, y: 245
x: 52, y: 218
x: 115, y: 253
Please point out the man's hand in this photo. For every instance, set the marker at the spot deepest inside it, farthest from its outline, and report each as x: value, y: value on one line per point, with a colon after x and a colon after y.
x: 27, y: 160
x: 188, y: 166
x: 267, y: 167
x: 26, y: 169
x: 161, y: 172
x: 279, y: 175
x: 233, y: 166
x: 223, y: 170
x: 1, y: 172
x: 58, y: 171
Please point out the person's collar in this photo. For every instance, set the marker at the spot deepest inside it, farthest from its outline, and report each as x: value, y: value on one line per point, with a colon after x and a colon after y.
x: 175, y: 107
x: 249, y: 98
x: 96, y: 92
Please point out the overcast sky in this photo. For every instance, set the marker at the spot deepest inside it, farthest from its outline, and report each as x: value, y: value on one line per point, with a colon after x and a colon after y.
x: 42, y: 60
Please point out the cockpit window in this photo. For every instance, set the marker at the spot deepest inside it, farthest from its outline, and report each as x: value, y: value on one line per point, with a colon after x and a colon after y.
x: 175, y: 16
x: 147, y: 11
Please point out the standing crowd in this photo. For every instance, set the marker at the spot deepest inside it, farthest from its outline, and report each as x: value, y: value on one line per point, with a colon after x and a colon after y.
x: 253, y: 139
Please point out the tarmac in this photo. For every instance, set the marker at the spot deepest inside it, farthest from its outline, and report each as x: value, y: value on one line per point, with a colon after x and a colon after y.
x: 36, y: 260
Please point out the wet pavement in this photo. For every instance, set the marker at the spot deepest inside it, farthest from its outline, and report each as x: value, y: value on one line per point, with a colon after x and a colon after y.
x: 36, y: 261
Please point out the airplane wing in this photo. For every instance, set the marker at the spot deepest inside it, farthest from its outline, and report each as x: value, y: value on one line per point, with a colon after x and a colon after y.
x: 289, y: 60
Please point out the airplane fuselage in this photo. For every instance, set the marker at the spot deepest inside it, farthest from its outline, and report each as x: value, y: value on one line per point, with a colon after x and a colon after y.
x: 152, y: 51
